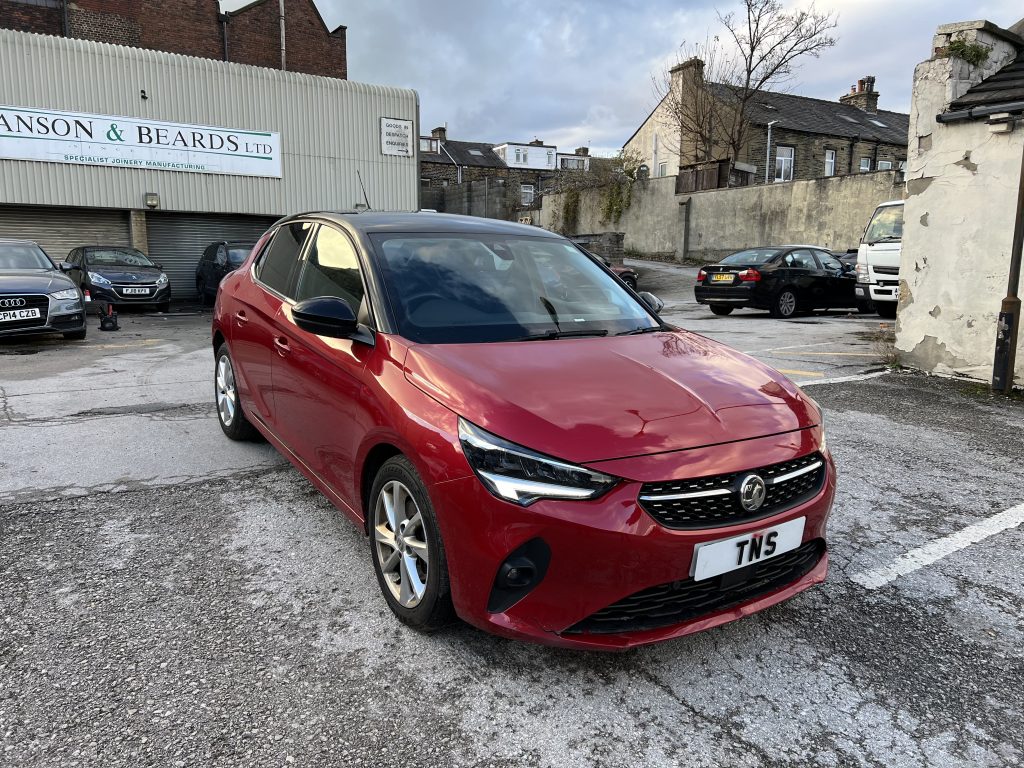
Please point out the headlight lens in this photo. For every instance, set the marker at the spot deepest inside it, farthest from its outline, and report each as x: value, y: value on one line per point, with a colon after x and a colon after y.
x: 97, y: 279
x: 162, y: 280
x: 861, y: 272
x: 522, y: 476
x: 67, y: 293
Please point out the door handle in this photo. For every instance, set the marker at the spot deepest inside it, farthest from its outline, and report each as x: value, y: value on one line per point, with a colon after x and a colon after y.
x: 281, y: 343
x: 240, y: 317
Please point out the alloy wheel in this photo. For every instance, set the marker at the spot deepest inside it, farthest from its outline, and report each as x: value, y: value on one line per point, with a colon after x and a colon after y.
x: 787, y: 303
x: 227, y: 395
x: 400, y: 544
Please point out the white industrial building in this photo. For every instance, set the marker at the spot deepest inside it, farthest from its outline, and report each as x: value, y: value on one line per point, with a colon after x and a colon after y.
x: 103, y: 144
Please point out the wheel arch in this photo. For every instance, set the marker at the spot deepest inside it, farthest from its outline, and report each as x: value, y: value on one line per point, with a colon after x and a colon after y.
x: 374, y: 460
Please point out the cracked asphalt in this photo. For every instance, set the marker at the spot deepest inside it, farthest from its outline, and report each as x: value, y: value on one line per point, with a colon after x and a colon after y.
x: 169, y: 598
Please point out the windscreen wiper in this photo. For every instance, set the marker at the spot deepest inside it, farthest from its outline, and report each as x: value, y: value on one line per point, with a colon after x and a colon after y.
x: 636, y: 331
x: 561, y: 335
x: 886, y: 239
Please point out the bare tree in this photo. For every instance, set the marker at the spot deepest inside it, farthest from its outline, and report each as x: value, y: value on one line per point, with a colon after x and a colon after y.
x: 707, y: 101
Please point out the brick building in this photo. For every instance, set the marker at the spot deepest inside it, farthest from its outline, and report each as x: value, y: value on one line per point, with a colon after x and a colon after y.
x: 249, y: 35
x: 792, y: 137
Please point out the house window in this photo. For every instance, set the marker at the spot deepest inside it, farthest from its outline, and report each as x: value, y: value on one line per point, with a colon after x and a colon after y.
x: 830, y: 162
x: 424, y: 182
x: 884, y: 165
x: 551, y: 159
x: 526, y: 194
x: 572, y: 163
x: 526, y: 155
x: 663, y: 169
x: 519, y: 155
x: 784, y: 163
x: 865, y: 164
x: 428, y: 145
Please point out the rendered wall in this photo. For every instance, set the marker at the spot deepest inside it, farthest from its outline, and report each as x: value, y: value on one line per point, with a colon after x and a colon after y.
x: 962, y: 184
x: 830, y: 212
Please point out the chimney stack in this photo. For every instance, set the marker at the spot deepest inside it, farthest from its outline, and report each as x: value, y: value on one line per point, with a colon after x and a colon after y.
x: 440, y: 133
x: 583, y: 151
x: 863, y: 95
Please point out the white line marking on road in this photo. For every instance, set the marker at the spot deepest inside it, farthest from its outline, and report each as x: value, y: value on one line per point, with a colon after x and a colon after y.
x: 841, y: 379
x: 795, y: 346
x: 940, y: 548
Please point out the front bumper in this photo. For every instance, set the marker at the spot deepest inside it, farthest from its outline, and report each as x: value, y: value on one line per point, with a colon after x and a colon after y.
x: 882, y: 291
x: 605, y: 551
x: 61, y: 316
x: 115, y: 295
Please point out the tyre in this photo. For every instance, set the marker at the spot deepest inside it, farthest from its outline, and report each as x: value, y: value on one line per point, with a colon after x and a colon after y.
x: 865, y: 308
x: 163, y: 306
x: 886, y: 309
x: 720, y: 309
x: 630, y: 282
x: 785, y: 303
x: 229, y: 410
x: 406, y: 547
x: 75, y: 335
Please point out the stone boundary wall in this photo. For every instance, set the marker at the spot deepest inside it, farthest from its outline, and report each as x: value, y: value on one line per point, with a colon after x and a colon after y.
x: 705, y: 226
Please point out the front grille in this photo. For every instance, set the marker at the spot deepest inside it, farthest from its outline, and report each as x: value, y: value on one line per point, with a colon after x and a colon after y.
x: 708, y: 502
x: 32, y: 301
x: 681, y: 601
x: 886, y: 270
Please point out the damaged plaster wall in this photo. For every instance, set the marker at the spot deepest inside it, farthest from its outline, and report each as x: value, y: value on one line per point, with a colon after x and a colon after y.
x: 961, y: 200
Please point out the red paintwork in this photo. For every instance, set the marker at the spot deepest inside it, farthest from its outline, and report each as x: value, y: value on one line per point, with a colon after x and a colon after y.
x: 649, y: 407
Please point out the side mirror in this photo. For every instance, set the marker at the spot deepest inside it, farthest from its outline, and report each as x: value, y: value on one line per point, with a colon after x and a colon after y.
x: 65, y: 266
x: 847, y: 267
x: 851, y: 250
x: 160, y: 267
x: 652, y: 301
x: 326, y: 316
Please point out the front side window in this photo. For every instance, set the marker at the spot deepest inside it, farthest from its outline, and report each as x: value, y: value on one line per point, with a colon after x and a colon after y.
x: 784, y: 163
x: 828, y: 261
x: 865, y: 164
x: 331, y: 269
x: 279, y: 262
x: 450, y: 288
x: 526, y: 194
x: 830, y: 162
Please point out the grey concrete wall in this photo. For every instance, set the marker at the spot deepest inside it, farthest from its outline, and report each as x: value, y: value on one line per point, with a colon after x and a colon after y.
x: 830, y: 212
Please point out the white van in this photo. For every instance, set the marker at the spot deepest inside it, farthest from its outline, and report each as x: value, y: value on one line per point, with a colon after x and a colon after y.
x: 878, y: 260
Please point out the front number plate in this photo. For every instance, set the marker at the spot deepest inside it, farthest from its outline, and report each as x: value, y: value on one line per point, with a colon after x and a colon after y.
x: 143, y: 291
x: 18, y: 314
x: 724, y: 555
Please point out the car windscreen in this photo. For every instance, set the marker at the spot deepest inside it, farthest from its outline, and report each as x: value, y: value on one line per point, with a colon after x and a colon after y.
x: 116, y: 257
x: 452, y: 288
x: 237, y: 255
x: 23, y: 256
x: 752, y: 256
x: 885, y: 226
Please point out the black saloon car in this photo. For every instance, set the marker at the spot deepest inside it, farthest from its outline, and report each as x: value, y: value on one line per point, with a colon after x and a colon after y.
x: 119, y: 275
x: 218, y: 260
x: 34, y: 296
x: 784, y: 279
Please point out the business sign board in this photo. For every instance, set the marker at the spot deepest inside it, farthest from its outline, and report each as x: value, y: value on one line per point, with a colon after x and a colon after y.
x: 127, y: 142
x: 396, y: 137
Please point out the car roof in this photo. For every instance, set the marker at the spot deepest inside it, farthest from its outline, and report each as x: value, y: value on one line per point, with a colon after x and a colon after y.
x: 16, y: 241
x: 781, y: 247
x: 371, y: 222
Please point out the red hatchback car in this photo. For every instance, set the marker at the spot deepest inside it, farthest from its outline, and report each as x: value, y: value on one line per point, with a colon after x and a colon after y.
x: 526, y: 444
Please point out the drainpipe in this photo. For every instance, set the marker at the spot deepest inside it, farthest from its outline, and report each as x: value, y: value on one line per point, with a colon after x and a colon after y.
x: 224, y: 33
x: 768, y: 150
x: 64, y: 21
x: 1009, y: 312
x: 458, y: 168
x: 281, y: 13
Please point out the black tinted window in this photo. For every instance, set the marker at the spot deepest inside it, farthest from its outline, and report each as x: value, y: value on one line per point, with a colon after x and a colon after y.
x: 278, y: 263
x: 752, y: 256
x: 828, y: 261
x: 332, y: 269
x: 801, y: 260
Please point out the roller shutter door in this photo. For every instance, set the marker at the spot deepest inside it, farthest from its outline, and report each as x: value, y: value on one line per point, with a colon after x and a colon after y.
x: 59, y: 230
x: 177, y: 241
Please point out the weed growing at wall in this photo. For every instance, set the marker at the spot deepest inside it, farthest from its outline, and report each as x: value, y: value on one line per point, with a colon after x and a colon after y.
x: 973, y: 53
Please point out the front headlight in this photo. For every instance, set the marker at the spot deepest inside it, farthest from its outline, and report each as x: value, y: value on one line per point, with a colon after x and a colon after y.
x: 522, y: 476
x: 162, y: 280
x: 862, y: 272
x: 97, y: 279
x: 821, y: 422
x: 67, y: 293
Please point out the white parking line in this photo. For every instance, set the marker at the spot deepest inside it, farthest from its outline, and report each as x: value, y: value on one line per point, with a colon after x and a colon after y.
x: 940, y: 548
x: 841, y: 379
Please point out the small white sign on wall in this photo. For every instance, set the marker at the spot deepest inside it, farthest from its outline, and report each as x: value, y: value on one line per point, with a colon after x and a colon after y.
x: 396, y: 137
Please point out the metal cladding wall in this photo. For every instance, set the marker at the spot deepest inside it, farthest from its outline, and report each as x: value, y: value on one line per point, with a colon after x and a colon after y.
x: 58, y: 230
x: 177, y: 242
x: 329, y: 129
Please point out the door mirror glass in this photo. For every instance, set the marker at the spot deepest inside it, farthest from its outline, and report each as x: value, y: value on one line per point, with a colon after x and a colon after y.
x: 326, y: 316
x: 652, y: 301
x: 66, y: 266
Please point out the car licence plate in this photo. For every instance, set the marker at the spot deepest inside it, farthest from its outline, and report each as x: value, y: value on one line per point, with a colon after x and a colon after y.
x: 9, y: 315
x: 143, y: 291
x: 717, y: 557
x: 722, y: 277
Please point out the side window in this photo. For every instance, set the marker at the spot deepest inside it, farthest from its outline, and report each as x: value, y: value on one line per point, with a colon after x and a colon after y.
x: 331, y: 269
x: 72, y: 258
x: 803, y: 260
x: 221, y: 259
x: 828, y: 261
x: 277, y: 265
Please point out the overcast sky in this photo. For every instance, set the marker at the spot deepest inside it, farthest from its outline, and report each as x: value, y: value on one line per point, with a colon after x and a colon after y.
x: 579, y: 73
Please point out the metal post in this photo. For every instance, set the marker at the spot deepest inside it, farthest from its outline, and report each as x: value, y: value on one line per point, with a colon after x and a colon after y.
x: 1009, y: 312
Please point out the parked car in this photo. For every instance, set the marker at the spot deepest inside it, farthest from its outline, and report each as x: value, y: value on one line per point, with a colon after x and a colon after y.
x: 561, y: 467
x: 34, y: 296
x: 119, y: 275
x: 878, y: 260
x: 217, y: 260
x: 628, y: 275
x: 784, y: 279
